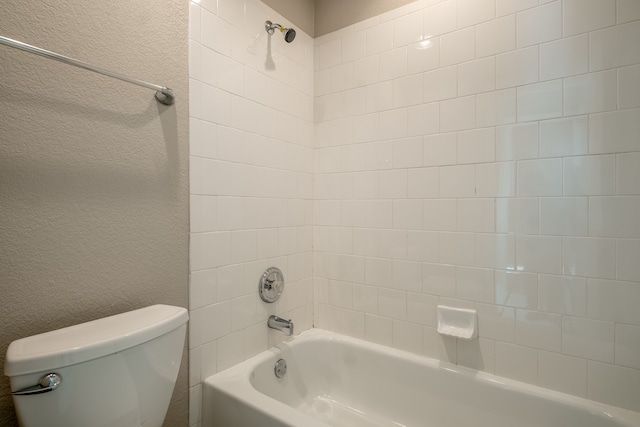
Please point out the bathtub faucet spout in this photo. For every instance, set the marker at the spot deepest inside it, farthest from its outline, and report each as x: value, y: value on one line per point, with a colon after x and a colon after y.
x: 286, y: 326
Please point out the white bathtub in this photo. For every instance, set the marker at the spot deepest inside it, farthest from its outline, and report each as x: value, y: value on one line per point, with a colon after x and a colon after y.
x: 333, y: 380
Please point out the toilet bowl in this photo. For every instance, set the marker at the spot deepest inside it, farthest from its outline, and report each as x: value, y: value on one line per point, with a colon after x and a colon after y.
x: 118, y: 371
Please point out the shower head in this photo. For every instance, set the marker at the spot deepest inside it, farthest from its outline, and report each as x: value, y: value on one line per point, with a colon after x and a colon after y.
x: 289, y: 33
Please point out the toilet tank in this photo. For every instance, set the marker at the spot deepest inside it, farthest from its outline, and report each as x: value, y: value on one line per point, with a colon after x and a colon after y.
x: 118, y: 371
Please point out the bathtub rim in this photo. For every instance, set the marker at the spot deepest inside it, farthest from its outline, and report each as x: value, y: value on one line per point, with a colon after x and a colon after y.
x: 235, y: 381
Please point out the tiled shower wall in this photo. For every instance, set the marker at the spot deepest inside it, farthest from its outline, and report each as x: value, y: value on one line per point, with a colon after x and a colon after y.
x: 486, y: 154
x: 251, y: 163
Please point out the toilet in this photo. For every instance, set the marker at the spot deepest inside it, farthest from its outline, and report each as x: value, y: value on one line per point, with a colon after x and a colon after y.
x: 118, y: 371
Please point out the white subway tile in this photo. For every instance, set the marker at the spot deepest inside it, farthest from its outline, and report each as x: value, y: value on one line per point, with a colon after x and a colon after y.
x: 614, y: 132
x: 407, y: 153
x: 539, y: 25
x: 392, y: 303
x: 627, y: 256
x: 628, y: 10
x: 423, y: 119
x: 378, y: 155
x: 519, y: 216
x: 581, y: 16
x: 496, y: 179
x: 458, y: 181
x: 627, y: 346
x: 421, y: 309
x: 540, y: 330
x: 589, y: 175
x: 477, y: 76
x: 439, y: 215
x: 539, y: 254
x: 407, y: 29
x: 458, y: 47
x: 379, y: 38
x: 563, y: 295
x: 456, y: 248
x: 424, y: 183
x: 496, y: 108
x: 516, y: 289
x: 354, y: 46
x: 507, y: 7
x: 496, y: 322
x: 366, y: 70
x: 540, y: 101
x: 477, y: 354
x: 458, y: 114
x: 564, y: 216
x: 540, y: 177
x: 476, y: 215
x: 471, y: 12
x: 591, y: 339
x: 517, y: 68
x: 562, y: 373
x: 589, y: 257
x: 496, y: 36
x: 209, y: 250
x: 393, y: 64
x: 614, y: 216
x: 564, y: 137
x: 614, y: 47
x: 440, y: 18
x: 437, y: 346
x: 517, y: 362
x: 395, y: 244
x: 423, y: 56
x: 422, y: 246
x: 476, y: 146
x: 203, y: 289
x: 440, y: 84
x: 407, y: 91
x: 615, y: 385
x: 379, y: 97
x: 564, y: 57
x: 393, y: 184
x: 393, y: 124
x: 495, y: 251
x: 613, y: 301
x: 517, y: 142
x: 629, y: 87
x: 365, y: 298
x: 365, y: 242
x: 407, y: 214
x: 407, y: 275
x: 439, y: 279
x: 440, y: 149
x: 590, y: 93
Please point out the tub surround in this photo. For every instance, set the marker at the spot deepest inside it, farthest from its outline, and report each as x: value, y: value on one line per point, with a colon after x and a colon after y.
x: 477, y: 154
x: 473, y: 154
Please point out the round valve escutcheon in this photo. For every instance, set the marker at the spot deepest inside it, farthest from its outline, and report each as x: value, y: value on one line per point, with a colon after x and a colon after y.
x: 271, y: 284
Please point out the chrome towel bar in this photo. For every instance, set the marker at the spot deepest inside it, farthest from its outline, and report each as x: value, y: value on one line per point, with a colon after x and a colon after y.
x: 163, y: 94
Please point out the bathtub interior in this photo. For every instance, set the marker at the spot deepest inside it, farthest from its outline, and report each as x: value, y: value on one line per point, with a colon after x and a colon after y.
x: 334, y: 381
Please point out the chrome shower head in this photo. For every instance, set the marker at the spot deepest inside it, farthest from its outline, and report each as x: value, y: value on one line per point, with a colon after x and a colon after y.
x: 289, y: 33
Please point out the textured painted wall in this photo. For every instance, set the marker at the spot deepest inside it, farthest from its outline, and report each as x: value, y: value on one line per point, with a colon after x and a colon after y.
x: 299, y: 12
x: 331, y: 15
x: 93, y: 171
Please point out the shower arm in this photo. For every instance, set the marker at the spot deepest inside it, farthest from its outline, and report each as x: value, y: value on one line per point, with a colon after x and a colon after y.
x: 163, y: 94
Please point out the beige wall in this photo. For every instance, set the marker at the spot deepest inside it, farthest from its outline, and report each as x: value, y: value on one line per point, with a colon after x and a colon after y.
x: 93, y: 171
x: 299, y: 12
x: 331, y: 15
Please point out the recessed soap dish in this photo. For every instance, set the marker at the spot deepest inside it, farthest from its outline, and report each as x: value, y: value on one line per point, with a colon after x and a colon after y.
x: 457, y: 322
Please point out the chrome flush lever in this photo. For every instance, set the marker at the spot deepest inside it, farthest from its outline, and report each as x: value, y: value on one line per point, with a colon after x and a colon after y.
x: 47, y: 383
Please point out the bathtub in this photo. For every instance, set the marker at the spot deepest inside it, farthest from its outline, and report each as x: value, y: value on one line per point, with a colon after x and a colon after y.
x: 333, y: 380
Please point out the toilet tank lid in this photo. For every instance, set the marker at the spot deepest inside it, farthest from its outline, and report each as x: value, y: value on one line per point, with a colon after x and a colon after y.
x: 91, y: 340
